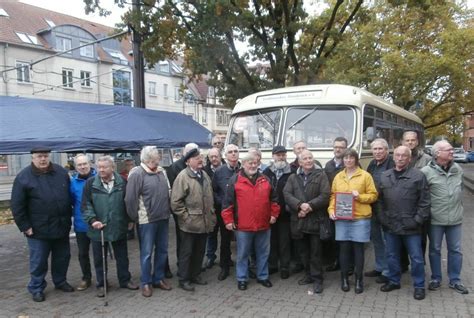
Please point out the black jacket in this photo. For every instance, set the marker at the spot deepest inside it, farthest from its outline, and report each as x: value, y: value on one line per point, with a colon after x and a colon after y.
x: 173, y: 170
x: 278, y: 185
x: 376, y: 173
x: 219, y: 183
x: 404, y: 201
x: 331, y: 170
x: 41, y: 201
x: 316, y: 192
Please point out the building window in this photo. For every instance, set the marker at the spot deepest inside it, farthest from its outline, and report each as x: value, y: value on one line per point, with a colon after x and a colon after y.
x: 23, y: 72
x: 50, y: 23
x: 68, y: 78
x: 204, y: 115
x: 63, y: 44
x: 222, y: 117
x: 152, y: 88
x: 122, y: 88
x: 178, y: 96
x: 165, y: 90
x: 27, y: 38
x: 3, y: 13
x: 164, y: 67
x: 211, y: 91
x: 85, y: 79
x: 87, y: 51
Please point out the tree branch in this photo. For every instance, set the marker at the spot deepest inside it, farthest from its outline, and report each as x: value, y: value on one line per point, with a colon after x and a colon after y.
x: 238, y: 61
x: 445, y: 120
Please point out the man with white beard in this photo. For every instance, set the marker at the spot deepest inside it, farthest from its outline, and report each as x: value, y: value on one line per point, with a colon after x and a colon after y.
x: 280, y: 242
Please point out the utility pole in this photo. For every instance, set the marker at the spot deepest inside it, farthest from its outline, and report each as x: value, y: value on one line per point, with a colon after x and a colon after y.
x: 138, y: 64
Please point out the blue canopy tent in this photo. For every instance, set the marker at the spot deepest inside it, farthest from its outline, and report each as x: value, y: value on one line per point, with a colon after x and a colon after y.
x: 81, y: 127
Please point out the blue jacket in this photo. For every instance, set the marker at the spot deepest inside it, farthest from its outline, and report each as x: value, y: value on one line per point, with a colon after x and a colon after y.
x: 76, y: 188
x: 41, y: 201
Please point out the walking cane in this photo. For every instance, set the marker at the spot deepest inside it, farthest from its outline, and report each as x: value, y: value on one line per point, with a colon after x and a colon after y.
x: 104, y: 250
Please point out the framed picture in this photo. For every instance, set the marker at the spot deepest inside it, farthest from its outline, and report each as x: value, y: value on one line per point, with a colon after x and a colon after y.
x: 344, y: 209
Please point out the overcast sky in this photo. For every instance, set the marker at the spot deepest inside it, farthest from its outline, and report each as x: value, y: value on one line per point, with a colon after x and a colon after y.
x: 76, y: 8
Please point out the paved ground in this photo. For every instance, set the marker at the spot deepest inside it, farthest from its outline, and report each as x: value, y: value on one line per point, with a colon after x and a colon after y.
x: 222, y: 299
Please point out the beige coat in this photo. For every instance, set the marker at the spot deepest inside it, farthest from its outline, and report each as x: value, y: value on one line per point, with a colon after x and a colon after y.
x: 193, y: 203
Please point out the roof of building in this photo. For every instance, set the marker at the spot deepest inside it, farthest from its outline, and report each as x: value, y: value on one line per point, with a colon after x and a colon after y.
x: 32, y: 20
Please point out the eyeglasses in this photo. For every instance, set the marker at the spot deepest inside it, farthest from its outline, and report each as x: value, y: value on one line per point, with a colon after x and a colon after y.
x: 233, y: 151
x: 449, y: 150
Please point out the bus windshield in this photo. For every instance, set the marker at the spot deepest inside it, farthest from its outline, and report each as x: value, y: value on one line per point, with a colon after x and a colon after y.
x: 256, y: 129
x: 318, y: 126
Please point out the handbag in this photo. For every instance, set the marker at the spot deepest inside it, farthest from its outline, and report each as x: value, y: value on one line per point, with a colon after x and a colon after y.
x: 326, y: 230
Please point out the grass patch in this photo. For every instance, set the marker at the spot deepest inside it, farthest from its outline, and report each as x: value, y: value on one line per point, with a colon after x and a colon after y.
x: 6, y: 216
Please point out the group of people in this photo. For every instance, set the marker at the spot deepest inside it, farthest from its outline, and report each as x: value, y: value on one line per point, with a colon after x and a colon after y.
x: 276, y: 214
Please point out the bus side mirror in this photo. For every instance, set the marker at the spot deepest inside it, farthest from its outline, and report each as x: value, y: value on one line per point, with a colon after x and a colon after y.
x: 370, y: 134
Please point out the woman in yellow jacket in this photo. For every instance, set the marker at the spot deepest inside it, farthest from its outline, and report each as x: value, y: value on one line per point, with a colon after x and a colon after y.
x: 352, y: 234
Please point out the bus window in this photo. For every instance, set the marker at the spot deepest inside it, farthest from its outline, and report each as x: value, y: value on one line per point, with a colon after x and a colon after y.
x: 256, y: 129
x: 319, y: 125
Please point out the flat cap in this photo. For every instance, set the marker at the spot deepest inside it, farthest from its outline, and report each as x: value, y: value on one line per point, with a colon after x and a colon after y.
x: 191, y: 153
x: 278, y: 149
x: 40, y: 150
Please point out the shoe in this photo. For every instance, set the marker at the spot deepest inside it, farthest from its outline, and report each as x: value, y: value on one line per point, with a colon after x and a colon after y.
x: 381, y: 279
x: 83, y: 285
x: 306, y: 280
x: 419, y: 294
x: 65, y: 288
x: 333, y: 267
x: 168, y: 273
x: 163, y: 285
x: 38, y: 297
x: 373, y: 273
x: 459, y: 288
x: 345, y: 283
x: 210, y: 263
x: 223, y: 274
x: 186, y: 286
x: 272, y: 271
x: 252, y: 274
x: 100, y: 292
x: 388, y: 287
x: 147, y: 291
x: 242, y: 285
x: 434, y: 285
x: 198, y: 281
x: 359, y: 285
x: 130, y: 285
x: 284, y: 274
x: 265, y: 282
x: 298, y: 268
x: 317, y: 288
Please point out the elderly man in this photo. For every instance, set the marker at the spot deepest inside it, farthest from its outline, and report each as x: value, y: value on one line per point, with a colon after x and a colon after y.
x: 250, y: 207
x: 307, y: 195
x: 298, y: 147
x: 382, y: 161
x: 41, y: 207
x: 78, y: 181
x: 219, y: 185
x: 445, y: 180
x: 218, y: 143
x: 214, y: 161
x: 148, y: 204
x: 332, y: 168
x: 173, y: 172
x: 192, y: 203
x: 280, y: 248
x: 404, y: 201
x: 103, y: 208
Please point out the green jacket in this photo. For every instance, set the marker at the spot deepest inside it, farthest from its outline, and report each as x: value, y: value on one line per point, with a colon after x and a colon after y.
x: 109, y: 208
x: 193, y: 203
x: 446, y: 193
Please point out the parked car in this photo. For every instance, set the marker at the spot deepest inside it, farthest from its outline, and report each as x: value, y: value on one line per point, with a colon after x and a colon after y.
x: 460, y: 155
x: 427, y: 149
x: 470, y: 156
